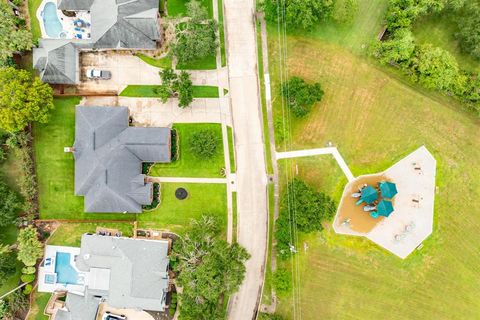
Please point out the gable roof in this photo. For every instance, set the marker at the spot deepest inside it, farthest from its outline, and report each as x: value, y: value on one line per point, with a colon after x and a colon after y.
x: 57, y: 61
x: 138, y: 269
x: 78, y: 307
x: 108, y: 159
x: 74, y: 4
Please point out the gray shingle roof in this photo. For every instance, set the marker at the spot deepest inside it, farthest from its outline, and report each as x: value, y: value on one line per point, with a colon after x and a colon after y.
x: 108, y: 159
x: 74, y: 5
x: 138, y: 269
x: 57, y: 61
x: 79, y: 307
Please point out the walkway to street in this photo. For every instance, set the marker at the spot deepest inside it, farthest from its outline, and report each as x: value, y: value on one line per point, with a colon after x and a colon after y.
x: 315, y: 152
x: 188, y: 180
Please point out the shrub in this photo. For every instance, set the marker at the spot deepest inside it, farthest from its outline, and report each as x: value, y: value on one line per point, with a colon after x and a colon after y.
x: 27, y: 278
x: 29, y: 270
x: 27, y: 289
x: 203, y: 144
x: 301, y: 96
x: 282, y: 281
x: 344, y: 11
x: 29, y: 248
x: 146, y: 167
x: 174, y: 146
x: 9, y: 205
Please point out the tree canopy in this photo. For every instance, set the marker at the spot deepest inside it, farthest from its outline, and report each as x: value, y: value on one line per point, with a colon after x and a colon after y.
x: 203, y: 144
x: 301, y: 95
x: 469, y: 30
x: 9, y: 204
x: 22, y: 99
x: 172, y: 84
x: 29, y: 247
x: 303, y: 209
x: 209, y: 270
x: 8, y: 265
x: 12, y: 37
x: 196, y: 38
x: 298, y: 13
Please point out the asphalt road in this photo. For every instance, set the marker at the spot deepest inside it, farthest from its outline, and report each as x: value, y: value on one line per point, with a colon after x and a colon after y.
x: 249, y: 147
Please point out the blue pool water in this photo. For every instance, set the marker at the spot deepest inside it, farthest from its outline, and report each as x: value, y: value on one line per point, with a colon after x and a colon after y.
x: 52, y: 24
x: 66, y: 274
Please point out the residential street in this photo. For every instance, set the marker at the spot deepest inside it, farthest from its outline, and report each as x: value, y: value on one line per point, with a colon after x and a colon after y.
x: 251, y: 172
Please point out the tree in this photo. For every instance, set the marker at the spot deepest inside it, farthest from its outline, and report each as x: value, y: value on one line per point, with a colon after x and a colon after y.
x: 398, y: 49
x: 22, y: 99
x: 29, y: 248
x: 282, y: 281
x: 8, y: 266
x: 344, y: 11
x: 203, y: 144
x: 469, y: 30
x: 209, y: 269
x: 9, y: 204
x: 184, y: 87
x: 436, y: 68
x: 197, y: 37
x: 301, y: 96
x: 298, y: 13
x: 12, y: 38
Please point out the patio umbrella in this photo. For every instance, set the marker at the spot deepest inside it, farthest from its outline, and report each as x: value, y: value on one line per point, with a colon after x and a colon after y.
x: 384, y: 208
x: 388, y: 189
x: 369, y: 194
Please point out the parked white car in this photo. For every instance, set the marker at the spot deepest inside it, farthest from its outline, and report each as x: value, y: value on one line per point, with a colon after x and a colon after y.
x: 98, y: 74
x: 110, y: 316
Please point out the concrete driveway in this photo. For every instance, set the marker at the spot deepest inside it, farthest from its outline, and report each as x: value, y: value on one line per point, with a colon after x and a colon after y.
x: 128, y: 69
x: 150, y: 112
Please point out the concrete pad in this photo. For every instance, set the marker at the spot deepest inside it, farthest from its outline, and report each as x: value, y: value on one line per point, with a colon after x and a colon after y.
x: 411, y: 222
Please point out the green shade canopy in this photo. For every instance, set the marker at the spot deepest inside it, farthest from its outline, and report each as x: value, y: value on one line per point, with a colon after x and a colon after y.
x: 384, y: 208
x: 369, y: 194
x: 388, y: 189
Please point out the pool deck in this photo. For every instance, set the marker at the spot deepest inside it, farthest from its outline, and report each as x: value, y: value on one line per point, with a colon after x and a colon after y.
x: 67, y: 22
x: 412, y: 220
x: 47, y: 267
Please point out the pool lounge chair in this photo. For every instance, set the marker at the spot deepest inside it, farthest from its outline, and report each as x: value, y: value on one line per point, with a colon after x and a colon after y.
x: 359, y: 202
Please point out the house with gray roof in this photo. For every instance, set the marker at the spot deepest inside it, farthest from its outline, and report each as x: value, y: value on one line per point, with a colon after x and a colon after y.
x: 115, y: 24
x: 123, y: 273
x: 108, y: 157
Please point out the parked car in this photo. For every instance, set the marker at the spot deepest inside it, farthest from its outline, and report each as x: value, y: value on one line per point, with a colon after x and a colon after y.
x: 98, y: 74
x: 111, y: 316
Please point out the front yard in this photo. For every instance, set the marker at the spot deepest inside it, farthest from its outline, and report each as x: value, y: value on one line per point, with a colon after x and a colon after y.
x: 188, y: 165
x: 149, y: 91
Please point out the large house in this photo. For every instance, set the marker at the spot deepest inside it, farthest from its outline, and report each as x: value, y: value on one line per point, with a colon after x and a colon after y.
x: 108, y: 159
x: 122, y: 273
x: 113, y: 24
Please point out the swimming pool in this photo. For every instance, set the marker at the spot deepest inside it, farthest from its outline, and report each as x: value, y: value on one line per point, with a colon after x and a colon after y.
x: 66, y: 274
x: 53, y: 26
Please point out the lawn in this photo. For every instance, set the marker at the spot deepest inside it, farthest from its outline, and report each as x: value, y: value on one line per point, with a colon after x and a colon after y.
x: 231, y: 150
x: 174, y: 214
x: 188, y: 165
x: 40, y: 300
x: 34, y: 23
x: 178, y: 8
x: 221, y: 34
x: 207, y: 63
x: 165, y: 62
x: 70, y: 234
x: 55, y: 168
x: 439, y: 30
x: 375, y: 119
x: 148, y: 91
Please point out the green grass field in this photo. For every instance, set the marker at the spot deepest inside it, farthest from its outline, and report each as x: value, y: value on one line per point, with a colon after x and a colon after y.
x: 375, y: 118
x: 231, y: 150
x: 55, y: 168
x: 148, y: 91
x: 439, y: 30
x: 40, y: 300
x: 165, y: 62
x: 207, y: 63
x: 34, y: 23
x: 174, y: 214
x: 178, y: 8
x: 188, y: 165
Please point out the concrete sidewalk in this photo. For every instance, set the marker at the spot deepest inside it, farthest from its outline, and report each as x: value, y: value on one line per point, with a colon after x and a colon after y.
x: 188, y: 180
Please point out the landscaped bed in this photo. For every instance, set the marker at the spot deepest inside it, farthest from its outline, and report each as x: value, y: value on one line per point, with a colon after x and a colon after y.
x: 188, y: 165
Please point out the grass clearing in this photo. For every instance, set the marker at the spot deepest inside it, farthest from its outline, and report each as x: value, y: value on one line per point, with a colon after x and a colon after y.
x: 178, y: 8
x: 40, y: 300
x: 207, y: 63
x: 231, y: 150
x: 174, y: 214
x: 375, y: 119
x: 439, y: 30
x: 221, y: 28
x: 34, y: 23
x: 163, y: 63
x: 188, y: 165
x: 148, y: 91
x: 55, y: 168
